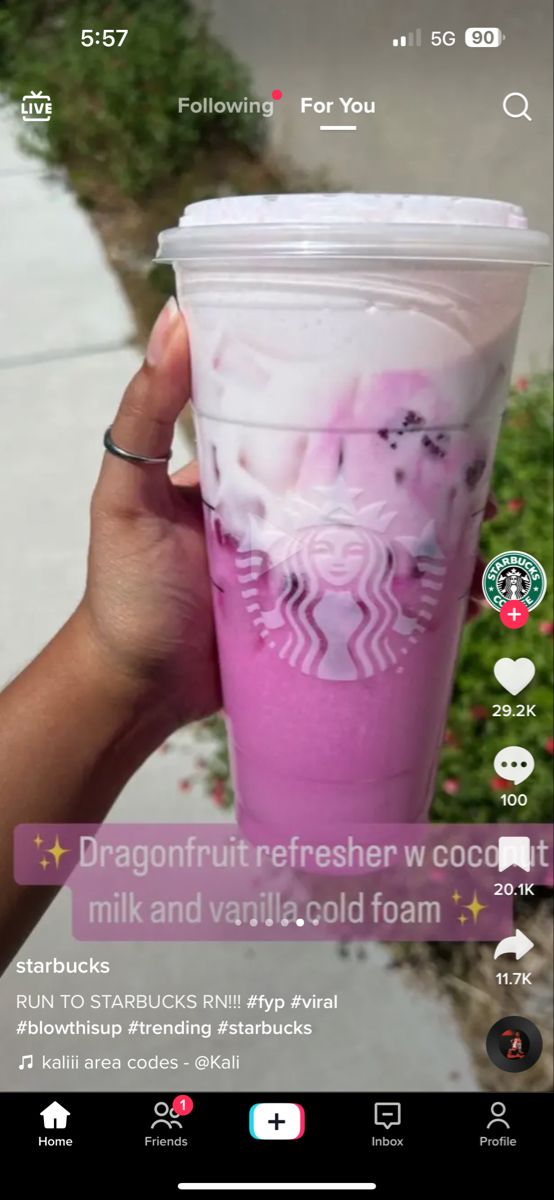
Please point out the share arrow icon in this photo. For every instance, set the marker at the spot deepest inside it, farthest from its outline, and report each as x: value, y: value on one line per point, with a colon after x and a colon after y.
x: 519, y: 945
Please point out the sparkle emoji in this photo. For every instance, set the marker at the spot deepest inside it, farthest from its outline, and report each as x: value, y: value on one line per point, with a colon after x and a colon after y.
x: 475, y: 908
x: 57, y: 851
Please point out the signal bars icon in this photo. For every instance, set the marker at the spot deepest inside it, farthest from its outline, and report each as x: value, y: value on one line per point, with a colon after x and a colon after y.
x: 408, y: 39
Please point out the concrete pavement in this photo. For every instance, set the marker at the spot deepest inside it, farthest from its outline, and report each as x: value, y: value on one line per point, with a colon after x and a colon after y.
x: 439, y: 126
x: 65, y: 355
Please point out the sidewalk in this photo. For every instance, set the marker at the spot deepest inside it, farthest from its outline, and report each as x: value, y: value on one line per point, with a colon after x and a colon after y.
x: 439, y: 125
x: 65, y: 355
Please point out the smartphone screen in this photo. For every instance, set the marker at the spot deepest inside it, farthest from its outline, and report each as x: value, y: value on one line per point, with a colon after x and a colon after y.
x: 276, y: 599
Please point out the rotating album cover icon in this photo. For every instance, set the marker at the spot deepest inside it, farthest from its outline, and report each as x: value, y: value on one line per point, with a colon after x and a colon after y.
x: 514, y: 1044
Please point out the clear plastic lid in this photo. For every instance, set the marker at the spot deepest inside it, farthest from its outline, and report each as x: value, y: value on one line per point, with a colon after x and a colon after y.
x: 319, y: 227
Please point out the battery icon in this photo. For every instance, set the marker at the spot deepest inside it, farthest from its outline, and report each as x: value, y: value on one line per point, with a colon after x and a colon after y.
x: 484, y: 36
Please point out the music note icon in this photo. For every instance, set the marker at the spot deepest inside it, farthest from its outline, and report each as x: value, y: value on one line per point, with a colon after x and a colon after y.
x: 26, y: 1062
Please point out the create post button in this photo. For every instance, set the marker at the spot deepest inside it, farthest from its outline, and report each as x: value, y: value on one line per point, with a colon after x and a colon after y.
x: 276, y: 1122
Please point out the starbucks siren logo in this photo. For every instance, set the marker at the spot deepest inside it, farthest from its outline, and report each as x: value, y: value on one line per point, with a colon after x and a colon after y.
x: 514, y: 576
x: 319, y: 578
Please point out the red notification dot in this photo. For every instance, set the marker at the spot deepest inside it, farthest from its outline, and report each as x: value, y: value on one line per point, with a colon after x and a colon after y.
x: 182, y: 1105
x: 514, y: 614
x: 276, y: 94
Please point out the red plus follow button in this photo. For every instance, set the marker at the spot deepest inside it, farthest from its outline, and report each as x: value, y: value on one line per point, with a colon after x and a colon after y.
x: 514, y: 614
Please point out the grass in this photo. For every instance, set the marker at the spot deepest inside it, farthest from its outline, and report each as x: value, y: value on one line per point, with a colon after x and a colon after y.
x: 115, y: 111
x: 116, y: 134
x: 133, y: 162
x: 465, y: 973
x: 523, y: 489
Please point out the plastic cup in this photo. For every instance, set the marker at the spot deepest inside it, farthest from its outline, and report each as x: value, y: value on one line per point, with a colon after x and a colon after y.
x: 351, y: 356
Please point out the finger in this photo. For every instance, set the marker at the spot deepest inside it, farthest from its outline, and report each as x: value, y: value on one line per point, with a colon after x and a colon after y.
x: 185, y: 487
x: 188, y: 476
x: 145, y: 421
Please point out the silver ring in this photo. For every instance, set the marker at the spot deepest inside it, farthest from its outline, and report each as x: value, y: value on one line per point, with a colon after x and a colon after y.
x: 118, y: 451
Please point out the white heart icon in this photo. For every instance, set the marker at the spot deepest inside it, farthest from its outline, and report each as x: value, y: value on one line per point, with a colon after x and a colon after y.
x: 514, y: 673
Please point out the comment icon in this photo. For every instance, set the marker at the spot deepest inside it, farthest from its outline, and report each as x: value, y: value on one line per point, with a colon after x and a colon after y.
x: 387, y: 1113
x: 514, y: 763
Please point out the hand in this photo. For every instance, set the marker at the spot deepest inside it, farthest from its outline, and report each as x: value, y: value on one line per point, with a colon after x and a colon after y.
x: 147, y: 607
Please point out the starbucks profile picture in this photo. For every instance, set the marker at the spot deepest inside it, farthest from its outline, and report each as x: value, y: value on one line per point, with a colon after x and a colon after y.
x: 514, y: 575
x: 514, y: 1044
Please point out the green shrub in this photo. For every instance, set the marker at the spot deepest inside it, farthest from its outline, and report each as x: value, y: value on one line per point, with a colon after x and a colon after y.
x: 115, y: 111
x: 116, y: 128
x: 467, y: 787
x: 523, y: 489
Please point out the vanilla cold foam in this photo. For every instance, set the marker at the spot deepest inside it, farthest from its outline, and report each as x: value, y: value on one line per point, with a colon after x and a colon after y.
x: 351, y: 356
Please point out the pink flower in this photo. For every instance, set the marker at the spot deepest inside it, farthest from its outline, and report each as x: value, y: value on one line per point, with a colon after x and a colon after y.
x: 549, y: 745
x: 450, y: 738
x: 218, y: 793
x: 546, y: 628
x: 497, y: 784
x: 479, y: 712
x: 521, y: 384
x: 451, y: 786
x: 515, y: 506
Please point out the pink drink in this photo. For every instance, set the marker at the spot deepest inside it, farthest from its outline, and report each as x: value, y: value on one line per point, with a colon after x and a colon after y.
x: 351, y: 357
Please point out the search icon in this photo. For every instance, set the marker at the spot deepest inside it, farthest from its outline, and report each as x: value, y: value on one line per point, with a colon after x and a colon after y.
x: 522, y: 109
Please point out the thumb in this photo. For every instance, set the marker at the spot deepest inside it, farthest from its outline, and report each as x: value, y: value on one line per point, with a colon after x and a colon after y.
x: 145, y: 421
